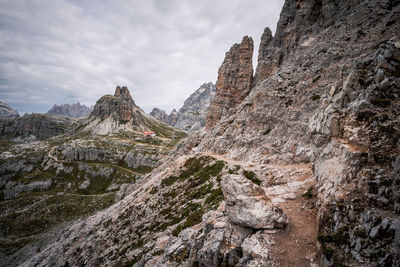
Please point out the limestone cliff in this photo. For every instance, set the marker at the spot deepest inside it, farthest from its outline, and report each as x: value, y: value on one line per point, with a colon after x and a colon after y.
x: 119, y: 113
x: 159, y: 114
x: 192, y: 115
x: 38, y: 125
x: 235, y: 77
x: 7, y: 112
x: 74, y: 110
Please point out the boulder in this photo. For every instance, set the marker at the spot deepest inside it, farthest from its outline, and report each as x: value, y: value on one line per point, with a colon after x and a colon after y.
x: 247, y: 205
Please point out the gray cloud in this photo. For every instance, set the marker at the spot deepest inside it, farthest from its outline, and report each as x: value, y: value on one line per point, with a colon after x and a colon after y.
x: 54, y: 52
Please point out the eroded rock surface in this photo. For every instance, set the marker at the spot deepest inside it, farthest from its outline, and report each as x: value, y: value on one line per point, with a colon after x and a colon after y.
x: 7, y: 112
x: 248, y: 206
x: 235, y: 77
x: 74, y: 110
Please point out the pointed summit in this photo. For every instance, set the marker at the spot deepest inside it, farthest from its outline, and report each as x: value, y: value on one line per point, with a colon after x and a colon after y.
x: 123, y: 92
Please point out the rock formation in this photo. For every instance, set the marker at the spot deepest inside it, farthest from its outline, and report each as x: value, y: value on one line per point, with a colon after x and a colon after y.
x: 248, y: 206
x: 39, y: 125
x: 120, y: 113
x: 73, y: 111
x: 316, y: 132
x: 7, y: 112
x: 160, y: 115
x: 119, y: 107
x: 192, y: 115
x: 235, y: 77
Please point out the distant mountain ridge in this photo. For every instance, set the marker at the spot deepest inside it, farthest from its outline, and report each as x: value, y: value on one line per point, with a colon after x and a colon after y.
x: 7, y: 112
x: 70, y: 110
x: 192, y: 115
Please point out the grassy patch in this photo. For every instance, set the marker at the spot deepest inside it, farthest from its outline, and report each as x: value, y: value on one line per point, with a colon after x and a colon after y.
x: 315, y: 97
x: 266, y: 132
x: 252, y: 177
x: 309, y: 193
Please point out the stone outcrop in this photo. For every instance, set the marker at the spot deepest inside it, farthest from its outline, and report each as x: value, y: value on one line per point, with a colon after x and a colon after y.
x: 160, y: 115
x: 248, y: 206
x: 39, y: 125
x: 119, y: 107
x: 235, y: 77
x: 73, y: 111
x: 192, y: 115
x: 12, y: 189
x: 7, y: 112
x: 266, y: 63
x: 173, y: 117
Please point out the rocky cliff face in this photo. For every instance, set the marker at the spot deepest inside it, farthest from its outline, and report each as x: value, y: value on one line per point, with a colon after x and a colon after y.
x: 39, y: 125
x: 119, y: 113
x: 192, y: 115
x: 311, y: 143
x: 119, y: 107
x: 73, y: 111
x: 160, y: 115
x: 7, y: 112
x: 235, y: 77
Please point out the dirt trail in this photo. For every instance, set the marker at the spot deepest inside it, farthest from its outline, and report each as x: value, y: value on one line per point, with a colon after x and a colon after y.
x: 297, y: 244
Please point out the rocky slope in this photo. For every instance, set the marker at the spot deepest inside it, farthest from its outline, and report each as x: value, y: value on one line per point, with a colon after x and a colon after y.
x: 7, y: 112
x: 302, y: 169
x: 49, y: 183
x: 118, y: 113
x: 37, y: 125
x: 73, y: 111
x: 192, y: 115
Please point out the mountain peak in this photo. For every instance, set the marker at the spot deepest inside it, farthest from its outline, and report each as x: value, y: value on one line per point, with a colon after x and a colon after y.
x: 123, y: 92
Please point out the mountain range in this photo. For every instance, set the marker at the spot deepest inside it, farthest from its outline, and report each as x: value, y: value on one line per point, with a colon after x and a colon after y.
x: 192, y: 115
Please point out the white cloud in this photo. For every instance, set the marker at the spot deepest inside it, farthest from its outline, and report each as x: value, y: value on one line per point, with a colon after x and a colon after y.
x: 54, y: 52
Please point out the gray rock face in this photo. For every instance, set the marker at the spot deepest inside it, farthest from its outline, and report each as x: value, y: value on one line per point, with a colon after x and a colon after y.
x: 159, y: 114
x: 70, y: 110
x: 192, y: 115
x: 39, y: 125
x: 12, y: 189
x: 7, y: 112
x: 248, y: 206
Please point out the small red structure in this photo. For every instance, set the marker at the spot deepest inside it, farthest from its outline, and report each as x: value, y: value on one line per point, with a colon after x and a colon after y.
x: 149, y: 134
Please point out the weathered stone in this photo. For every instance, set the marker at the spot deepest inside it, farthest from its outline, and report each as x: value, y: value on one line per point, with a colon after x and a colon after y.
x: 247, y: 205
x: 7, y: 112
x: 74, y: 110
x: 235, y: 77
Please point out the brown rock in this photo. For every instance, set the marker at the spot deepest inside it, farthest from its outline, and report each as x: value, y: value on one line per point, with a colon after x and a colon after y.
x: 235, y: 77
x: 266, y: 63
x: 120, y: 106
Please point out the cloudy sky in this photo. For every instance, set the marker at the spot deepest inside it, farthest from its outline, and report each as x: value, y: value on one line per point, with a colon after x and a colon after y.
x: 64, y: 51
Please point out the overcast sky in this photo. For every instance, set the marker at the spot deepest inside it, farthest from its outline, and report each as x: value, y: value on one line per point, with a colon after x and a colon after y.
x: 56, y: 52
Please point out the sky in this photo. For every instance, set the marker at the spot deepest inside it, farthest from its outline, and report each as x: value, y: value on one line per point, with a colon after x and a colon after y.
x: 65, y: 51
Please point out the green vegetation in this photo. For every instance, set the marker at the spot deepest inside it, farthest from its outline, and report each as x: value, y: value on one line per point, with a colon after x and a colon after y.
x: 289, y: 103
x: 252, y: 177
x: 266, y: 132
x: 315, y: 97
x: 199, y: 168
x: 309, y: 193
x: 154, y: 190
x: 53, y: 210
